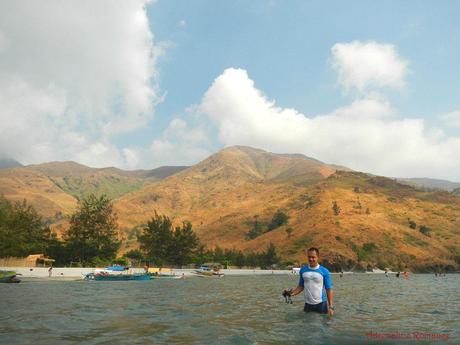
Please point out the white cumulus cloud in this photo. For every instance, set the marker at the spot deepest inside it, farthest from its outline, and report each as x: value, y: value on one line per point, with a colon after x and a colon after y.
x: 366, y: 135
x: 73, y: 73
x: 452, y: 119
x: 179, y: 144
x: 366, y: 65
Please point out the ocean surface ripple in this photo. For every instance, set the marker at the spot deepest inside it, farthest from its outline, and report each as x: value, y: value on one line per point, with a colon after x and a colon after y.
x: 370, y: 308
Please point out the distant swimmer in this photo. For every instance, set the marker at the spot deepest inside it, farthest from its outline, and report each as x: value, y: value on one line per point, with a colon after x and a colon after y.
x: 406, y: 274
x: 315, y: 281
x: 386, y: 273
x: 341, y: 274
x: 397, y: 274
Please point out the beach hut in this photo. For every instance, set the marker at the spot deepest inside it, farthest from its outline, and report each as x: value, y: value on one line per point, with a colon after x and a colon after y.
x: 34, y: 260
x: 38, y: 260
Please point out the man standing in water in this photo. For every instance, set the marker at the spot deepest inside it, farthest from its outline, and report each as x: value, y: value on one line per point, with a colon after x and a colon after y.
x: 316, y: 283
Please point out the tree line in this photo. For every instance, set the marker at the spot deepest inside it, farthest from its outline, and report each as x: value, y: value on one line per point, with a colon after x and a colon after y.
x: 92, y: 239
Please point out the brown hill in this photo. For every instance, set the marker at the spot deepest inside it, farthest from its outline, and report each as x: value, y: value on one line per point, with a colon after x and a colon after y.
x: 54, y: 188
x: 38, y: 189
x: 221, y: 192
x: 378, y: 221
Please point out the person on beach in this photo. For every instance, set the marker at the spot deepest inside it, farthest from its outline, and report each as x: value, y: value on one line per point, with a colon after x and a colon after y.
x: 315, y: 281
x: 50, y: 272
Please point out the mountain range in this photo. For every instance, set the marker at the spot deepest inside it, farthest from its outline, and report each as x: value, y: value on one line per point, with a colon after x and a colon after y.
x: 6, y: 163
x: 430, y: 184
x: 356, y: 219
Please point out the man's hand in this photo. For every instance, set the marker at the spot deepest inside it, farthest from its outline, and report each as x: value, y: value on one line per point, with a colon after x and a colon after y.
x: 330, y: 311
x: 286, y: 292
x: 287, y: 296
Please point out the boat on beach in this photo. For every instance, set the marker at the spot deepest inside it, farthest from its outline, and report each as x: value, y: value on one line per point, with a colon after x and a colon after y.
x: 9, y: 277
x: 379, y: 271
x: 162, y: 273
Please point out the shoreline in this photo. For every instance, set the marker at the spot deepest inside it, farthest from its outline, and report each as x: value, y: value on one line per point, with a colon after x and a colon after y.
x: 74, y: 273
x: 77, y: 273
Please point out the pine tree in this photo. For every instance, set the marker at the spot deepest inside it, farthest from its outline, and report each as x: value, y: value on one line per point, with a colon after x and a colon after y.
x: 335, y: 208
x: 163, y: 245
x: 92, y: 236
x: 22, y: 230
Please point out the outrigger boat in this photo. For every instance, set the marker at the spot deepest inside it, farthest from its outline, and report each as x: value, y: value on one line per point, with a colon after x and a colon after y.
x: 206, y: 271
x: 116, y: 277
x: 115, y: 273
x: 9, y: 277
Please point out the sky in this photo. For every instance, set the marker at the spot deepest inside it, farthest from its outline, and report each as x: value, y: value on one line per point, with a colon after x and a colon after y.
x: 374, y: 86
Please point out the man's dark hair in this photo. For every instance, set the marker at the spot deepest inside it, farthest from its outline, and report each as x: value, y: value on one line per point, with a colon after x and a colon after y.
x: 313, y: 249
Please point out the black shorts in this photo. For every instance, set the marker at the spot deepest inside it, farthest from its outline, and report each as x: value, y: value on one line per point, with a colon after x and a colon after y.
x: 319, y: 308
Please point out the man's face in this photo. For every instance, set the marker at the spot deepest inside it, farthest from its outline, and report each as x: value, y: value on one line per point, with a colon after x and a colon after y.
x: 312, y: 258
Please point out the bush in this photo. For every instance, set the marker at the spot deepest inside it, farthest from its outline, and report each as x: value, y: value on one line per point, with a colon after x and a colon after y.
x: 425, y: 230
x: 369, y: 247
x: 256, y: 229
x: 135, y: 254
x: 335, y: 208
x: 366, y: 251
x: 279, y: 218
x: 121, y: 261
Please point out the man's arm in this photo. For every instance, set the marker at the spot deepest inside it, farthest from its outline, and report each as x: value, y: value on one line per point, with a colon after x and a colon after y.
x: 298, y: 289
x: 330, y: 300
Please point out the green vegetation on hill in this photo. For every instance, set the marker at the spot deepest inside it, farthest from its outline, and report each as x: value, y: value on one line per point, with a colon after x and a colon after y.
x: 112, y: 186
x: 81, y: 181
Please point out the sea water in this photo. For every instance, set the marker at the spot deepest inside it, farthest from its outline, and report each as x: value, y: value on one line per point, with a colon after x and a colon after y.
x: 370, y: 308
